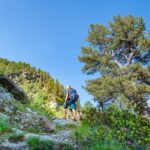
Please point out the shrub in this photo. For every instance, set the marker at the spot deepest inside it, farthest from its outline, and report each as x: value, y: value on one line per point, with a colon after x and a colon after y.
x: 81, y: 132
x: 129, y: 129
x: 36, y: 143
x: 70, y: 126
x: 102, y: 145
x: 4, y: 125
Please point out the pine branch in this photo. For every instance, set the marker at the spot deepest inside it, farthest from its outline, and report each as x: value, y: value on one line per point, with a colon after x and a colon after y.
x: 130, y: 58
x: 116, y: 61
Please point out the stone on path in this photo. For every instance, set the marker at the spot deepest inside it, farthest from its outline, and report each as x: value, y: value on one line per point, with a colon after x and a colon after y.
x: 14, y: 146
x: 49, y: 126
x: 62, y: 136
x: 63, y: 122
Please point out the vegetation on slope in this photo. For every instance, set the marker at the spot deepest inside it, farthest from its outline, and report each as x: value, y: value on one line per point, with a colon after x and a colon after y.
x: 41, y: 88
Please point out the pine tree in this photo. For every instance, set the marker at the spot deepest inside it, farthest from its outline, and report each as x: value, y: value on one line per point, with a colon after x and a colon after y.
x: 120, y: 54
x: 50, y: 85
x: 78, y: 105
x: 87, y: 105
x: 56, y: 87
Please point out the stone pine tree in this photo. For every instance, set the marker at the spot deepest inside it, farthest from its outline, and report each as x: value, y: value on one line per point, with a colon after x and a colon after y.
x: 120, y: 54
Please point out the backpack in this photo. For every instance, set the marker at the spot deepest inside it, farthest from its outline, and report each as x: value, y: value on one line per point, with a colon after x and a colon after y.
x: 73, y: 95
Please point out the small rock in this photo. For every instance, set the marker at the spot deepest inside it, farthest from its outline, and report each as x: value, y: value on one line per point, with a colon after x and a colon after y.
x: 4, y: 116
x: 21, y: 126
x: 47, y: 124
x: 13, y: 146
x: 7, y: 109
x: 63, y: 122
x: 17, y: 131
x: 29, y: 110
x: 34, y: 113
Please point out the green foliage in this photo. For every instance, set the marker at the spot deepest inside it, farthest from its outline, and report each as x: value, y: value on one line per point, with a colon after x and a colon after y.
x: 87, y: 105
x: 35, y: 129
x: 57, y: 112
x: 4, y: 125
x: 19, y: 106
x: 37, y: 144
x: 70, y: 126
x: 64, y: 146
x: 102, y: 145
x: 81, y: 133
x: 14, y: 137
x: 111, y: 125
x: 87, y: 139
x: 41, y: 111
x: 120, y: 54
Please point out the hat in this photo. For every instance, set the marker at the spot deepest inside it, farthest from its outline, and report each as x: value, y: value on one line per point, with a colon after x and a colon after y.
x: 68, y: 87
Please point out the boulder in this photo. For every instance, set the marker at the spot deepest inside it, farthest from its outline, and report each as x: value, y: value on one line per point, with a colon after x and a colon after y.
x: 54, y: 105
x: 49, y: 127
x: 14, y: 89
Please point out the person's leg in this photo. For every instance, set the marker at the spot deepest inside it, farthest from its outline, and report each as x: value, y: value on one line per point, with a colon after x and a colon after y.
x: 74, y: 113
x: 65, y: 113
x: 73, y: 107
x: 65, y: 109
x: 69, y: 113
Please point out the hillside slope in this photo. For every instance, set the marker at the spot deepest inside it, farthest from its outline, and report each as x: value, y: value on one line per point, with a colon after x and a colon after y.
x: 22, y: 128
x: 42, y: 89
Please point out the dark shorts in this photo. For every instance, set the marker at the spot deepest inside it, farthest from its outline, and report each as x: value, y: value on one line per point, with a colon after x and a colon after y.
x: 71, y: 104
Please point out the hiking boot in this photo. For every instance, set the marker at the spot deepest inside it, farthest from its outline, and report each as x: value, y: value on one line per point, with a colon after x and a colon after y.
x: 74, y: 119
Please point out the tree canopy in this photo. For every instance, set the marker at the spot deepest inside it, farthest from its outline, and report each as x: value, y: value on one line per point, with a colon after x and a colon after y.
x: 120, y: 53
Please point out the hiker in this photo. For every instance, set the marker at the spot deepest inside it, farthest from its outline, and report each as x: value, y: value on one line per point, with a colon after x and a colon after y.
x: 69, y: 113
x: 71, y: 98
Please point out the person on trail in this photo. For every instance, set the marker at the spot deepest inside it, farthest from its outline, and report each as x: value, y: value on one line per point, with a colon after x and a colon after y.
x: 71, y: 98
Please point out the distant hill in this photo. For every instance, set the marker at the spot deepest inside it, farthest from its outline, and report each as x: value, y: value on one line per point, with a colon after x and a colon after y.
x: 41, y: 88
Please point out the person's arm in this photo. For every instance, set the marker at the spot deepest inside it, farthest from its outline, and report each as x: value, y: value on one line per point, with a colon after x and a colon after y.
x: 67, y: 95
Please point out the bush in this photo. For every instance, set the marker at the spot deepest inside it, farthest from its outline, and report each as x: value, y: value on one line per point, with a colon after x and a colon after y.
x: 88, y: 138
x: 36, y: 143
x: 4, y: 125
x: 81, y: 132
x: 123, y: 127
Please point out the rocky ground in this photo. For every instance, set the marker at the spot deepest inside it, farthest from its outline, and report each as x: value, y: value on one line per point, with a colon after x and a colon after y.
x: 60, y: 136
x: 19, y: 123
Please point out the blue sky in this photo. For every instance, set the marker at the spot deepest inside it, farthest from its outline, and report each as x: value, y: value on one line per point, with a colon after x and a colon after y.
x: 48, y: 34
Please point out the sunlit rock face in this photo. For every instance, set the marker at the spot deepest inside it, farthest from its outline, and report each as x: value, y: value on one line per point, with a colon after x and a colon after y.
x: 5, y: 100
x: 4, y: 94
